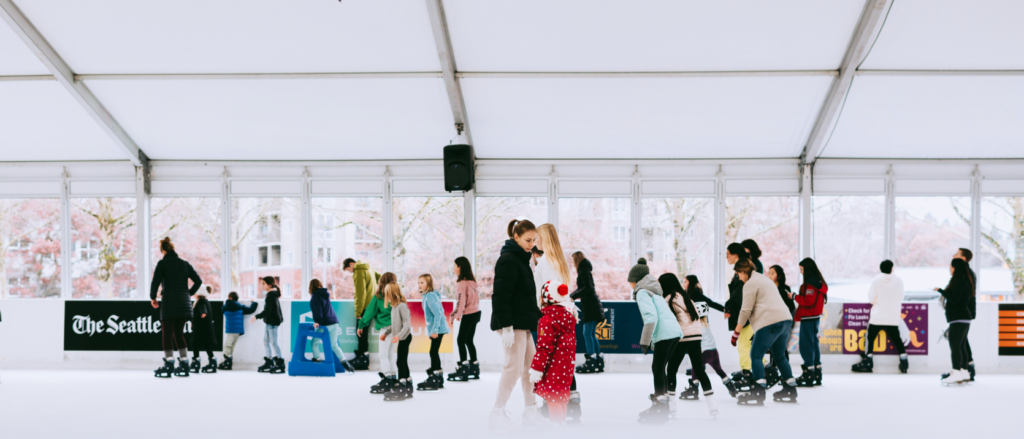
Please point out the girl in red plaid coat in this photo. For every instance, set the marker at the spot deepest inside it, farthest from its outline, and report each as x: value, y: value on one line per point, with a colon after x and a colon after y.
x: 555, y: 361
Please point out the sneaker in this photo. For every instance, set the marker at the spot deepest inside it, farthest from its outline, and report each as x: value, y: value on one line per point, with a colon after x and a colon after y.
x: 499, y: 420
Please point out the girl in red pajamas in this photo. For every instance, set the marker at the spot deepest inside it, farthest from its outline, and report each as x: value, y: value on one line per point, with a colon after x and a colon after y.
x: 555, y: 360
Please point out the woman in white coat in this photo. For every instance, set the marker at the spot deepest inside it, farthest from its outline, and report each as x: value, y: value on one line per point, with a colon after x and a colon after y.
x: 886, y: 298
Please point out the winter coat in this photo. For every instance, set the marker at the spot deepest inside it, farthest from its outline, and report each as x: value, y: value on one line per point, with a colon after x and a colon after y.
x: 735, y: 302
x: 704, y: 305
x: 468, y: 301
x: 972, y: 303
x: 958, y: 299
x: 401, y: 323
x: 234, y: 316
x: 378, y: 311
x: 784, y: 293
x: 544, y: 273
x: 202, y: 327
x: 556, y: 354
x: 365, y: 280
x: 762, y: 305
x: 176, y: 297
x: 271, y: 313
x: 320, y: 306
x: 691, y: 328
x: 433, y: 313
x: 514, y: 301
x: 593, y: 310
x: 659, y: 322
x: 886, y: 298
x: 812, y: 298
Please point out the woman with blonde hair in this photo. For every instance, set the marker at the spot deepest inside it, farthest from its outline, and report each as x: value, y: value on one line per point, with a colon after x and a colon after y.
x: 552, y: 265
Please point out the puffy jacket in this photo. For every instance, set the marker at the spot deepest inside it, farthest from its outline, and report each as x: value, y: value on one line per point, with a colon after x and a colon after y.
x: 320, y: 305
x: 691, y: 328
x: 957, y: 302
x: 514, y: 301
x: 972, y: 303
x: 176, y: 297
x: 202, y: 327
x: 762, y: 305
x: 886, y: 298
x: 556, y: 354
x: 593, y: 309
x: 378, y: 311
x: 659, y: 321
x: 735, y: 302
x: 812, y: 298
x: 468, y: 301
x: 271, y: 313
x: 433, y: 313
x: 234, y: 316
x: 365, y: 280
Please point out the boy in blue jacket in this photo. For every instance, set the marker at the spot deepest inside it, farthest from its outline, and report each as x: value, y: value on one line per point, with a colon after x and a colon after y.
x: 234, y: 326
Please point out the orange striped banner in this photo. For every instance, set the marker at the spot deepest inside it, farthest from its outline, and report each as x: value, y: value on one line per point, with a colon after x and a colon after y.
x: 1011, y: 321
x: 1011, y: 313
x: 1011, y: 343
x: 1012, y: 336
x: 1011, y: 329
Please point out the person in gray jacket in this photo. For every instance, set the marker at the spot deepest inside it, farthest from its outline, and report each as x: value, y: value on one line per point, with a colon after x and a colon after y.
x: 400, y: 332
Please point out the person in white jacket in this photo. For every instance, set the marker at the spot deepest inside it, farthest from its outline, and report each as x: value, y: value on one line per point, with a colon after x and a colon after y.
x: 886, y: 298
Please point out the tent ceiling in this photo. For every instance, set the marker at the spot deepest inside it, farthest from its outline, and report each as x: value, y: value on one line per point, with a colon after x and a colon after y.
x: 659, y: 35
x: 931, y: 116
x: 15, y: 57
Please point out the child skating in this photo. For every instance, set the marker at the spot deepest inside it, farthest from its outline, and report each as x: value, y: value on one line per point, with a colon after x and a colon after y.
x: 552, y: 367
x: 661, y: 334
x: 437, y: 327
x: 234, y: 326
x: 400, y: 335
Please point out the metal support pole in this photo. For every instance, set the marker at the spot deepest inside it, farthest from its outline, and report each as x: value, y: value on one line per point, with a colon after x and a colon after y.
x: 890, y: 216
x: 66, y: 244
x: 553, y: 197
x: 469, y: 225
x: 806, y: 219
x: 225, y: 235
x: 976, y: 220
x: 388, y: 217
x: 719, y: 238
x: 306, y: 232
x: 142, y: 223
x: 635, y: 219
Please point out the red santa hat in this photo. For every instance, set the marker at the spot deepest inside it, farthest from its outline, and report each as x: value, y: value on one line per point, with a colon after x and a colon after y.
x: 552, y: 295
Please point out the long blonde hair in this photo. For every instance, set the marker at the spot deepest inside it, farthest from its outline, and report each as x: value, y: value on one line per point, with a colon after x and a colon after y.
x: 393, y: 294
x: 553, y: 251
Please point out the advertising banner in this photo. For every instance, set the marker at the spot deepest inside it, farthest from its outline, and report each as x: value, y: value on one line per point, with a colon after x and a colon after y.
x: 844, y: 328
x: 620, y: 331
x: 345, y: 310
x: 123, y: 325
x: 1011, y: 329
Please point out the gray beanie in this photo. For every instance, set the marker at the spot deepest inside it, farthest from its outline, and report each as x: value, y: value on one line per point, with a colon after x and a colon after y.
x: 638, y: 271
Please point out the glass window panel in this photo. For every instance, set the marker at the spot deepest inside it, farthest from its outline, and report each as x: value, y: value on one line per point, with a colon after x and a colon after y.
x: 193, y: 224
x: 773, y: 223
x: 257, y: 235
x: 600, y: 228
x: 1001, y: 256
x: 849, y: 242
x: 428, y: 236
x: 29, y: 247
x: 346, y: 228
x: 929, y: 230
x: 492, y: 217
x: 678, y: 237
x: 104, y: 259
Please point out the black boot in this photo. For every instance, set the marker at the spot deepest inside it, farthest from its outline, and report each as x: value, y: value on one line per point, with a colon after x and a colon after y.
x: 970, y: 369
x: 866, y: 365
x: 599, y: 361
x: 905, y: 365
x: 771, y: 376
x: 690, y: 393
x: 817, y: 375
x: 361, y: 362
x: 806, y: 379
x: 278, y: 366
x: 754, y: 396
x: 267, y: 365
x: 407, y: 385
x: 397, y: 391
x: 226, y: 364
x: 659, y: 411
x: 786, y: 395
x: 430, y: 384
x: 166, y: 370
x: 195, y: 366
x: 474, y: 370
x: 382, y: 386
x: 211, y: 367
x: 586, y: 367
x: 439, y: 379
x: 460, y: 373
x: 182, y: 369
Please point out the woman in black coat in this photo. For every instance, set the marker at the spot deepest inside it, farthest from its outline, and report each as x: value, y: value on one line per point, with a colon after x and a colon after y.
x: 173, y: 273
x: 956, y: 298
x: 514, y: 316
x: 593, y: 313
x: 202, y: 333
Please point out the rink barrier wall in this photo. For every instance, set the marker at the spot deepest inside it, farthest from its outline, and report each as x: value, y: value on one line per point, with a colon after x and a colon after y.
x: 32, y: 337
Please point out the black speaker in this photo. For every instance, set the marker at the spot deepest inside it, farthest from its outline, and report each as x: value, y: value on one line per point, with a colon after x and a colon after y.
x: 459, y: 172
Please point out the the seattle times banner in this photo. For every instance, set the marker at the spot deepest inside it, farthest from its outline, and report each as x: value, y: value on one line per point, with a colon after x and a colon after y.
x: 345, y: 310
x: 844, y: 328
x: 123, y: 325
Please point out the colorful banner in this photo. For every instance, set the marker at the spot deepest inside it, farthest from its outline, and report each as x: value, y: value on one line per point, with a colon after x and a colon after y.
x: 620, y: 331
x: 345, y: 310
x: 1011, y: 329
x: 844, y: 328
x: 123, y: 325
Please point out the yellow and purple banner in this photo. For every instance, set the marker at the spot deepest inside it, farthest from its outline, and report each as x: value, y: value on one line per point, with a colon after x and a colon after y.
x: 844, y: 328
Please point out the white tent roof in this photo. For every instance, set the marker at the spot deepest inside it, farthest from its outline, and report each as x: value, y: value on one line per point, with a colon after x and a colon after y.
x: 363, y: 79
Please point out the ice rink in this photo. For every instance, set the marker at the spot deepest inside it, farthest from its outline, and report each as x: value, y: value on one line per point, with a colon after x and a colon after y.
x: 110, y: 404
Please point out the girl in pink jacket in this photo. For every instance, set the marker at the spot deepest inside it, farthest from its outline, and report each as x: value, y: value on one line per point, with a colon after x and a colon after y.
x: 690, y: 322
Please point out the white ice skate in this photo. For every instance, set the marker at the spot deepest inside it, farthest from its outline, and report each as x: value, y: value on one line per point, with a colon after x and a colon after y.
x: 533, y: 419
x: 499, y: 420
x: 712, y: 407
x: 956, y: 376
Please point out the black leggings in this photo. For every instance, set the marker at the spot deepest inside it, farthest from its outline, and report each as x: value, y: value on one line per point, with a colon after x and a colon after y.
x: 890, y: 331
x: 435, y: 357
x: 403, y: 356
x: 467, y: 330
x: 684, y: 348
x: 364, y: 342
x: 195, y: 352
x: 662, y: 354
x: 173, y: 335
x: 958, y: 344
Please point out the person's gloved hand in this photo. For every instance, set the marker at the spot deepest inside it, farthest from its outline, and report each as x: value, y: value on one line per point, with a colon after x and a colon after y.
x: 735, y: 337
x: 645, y: 348
x: 508, y: 337
x: 535, y: 375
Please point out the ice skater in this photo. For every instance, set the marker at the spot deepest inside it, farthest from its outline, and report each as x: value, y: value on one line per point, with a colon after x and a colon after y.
x: 467, y: 312
x: 552, y: 369
x: 810, y: 305
x: 325, y: 318
x: 772, y: 323
x: 437, y: 327
x: 886, y: 298
x: 743, y: 379
x: 689, y: 344
x: 708, y: 347
x: 593, y: 313
x: 379, y: 313
x: 956, y: 299
x: 365, y: 281
x: 273, y: 318
x: 234, y: 327
x: 202, y: 333
x: 966, y: 255
x: 661, y: 334
x: 173, y: 273
x: 399, y: 335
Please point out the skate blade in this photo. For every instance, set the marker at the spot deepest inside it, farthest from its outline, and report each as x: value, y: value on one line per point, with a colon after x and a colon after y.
x: 785, y: 401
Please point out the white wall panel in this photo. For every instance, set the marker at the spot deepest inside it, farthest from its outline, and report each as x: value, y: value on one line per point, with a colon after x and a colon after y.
x: 1002, y: 187
x: 654, y: 188
x: 489, y: 187
x: 424, y: 187
x: 767, y: 187
x: 849, y: 186
x: 266, y: 187
x: 595, y: 188
x: 347, y: 187
x: 933, y: 187
x: 30, y: 188
x: 171, y: 187
x: 102, y: 188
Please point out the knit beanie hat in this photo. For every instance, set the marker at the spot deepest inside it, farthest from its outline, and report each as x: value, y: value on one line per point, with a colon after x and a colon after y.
x: 553, y: 294
x: 638, y: 271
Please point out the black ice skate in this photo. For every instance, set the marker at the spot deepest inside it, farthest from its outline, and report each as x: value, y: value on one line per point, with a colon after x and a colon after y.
x: 743, y: 381
x: 970, y: 370
x: 817, y: 375
x: 589, y: 366
x: 361, y: 362
x: 474, y: 370
x: 182, y: 369
x: 691, y: 392
x: 267, y: 365
x: 460, y: 374
x: 730, y: 386
x: 754, y: 397
x: 278, y: 366
x: 658, y: 413
x: 166, y: 370
x: 806, y: 379
x: 212, y: 367
x: 226, y: 364
x: 771, y: 376
x: 786, y: 395
x: 430, y: 384
x: 573, y: 412
x: 866, y: 365
x: 599, y: 362
x: 383, y: 385
x: 397, y: 392
x: 194, y: 367
x: 905, y: 365
x: 407, y: 386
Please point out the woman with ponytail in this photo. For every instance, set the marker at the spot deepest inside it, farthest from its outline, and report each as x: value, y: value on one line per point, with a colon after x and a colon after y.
x: 956, y: 299
x: 690, y: 322
x: 173, y: 274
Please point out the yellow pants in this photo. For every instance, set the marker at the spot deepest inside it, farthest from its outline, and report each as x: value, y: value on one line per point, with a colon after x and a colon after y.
x: 743, y: 346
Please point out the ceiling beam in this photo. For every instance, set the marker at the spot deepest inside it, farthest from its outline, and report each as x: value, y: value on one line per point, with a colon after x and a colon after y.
x: 35, y: 41
x: 451, y: 81
x: 863, y: 36
x: 679, y: 74
x: 865, y: 72
x: 246, y: 76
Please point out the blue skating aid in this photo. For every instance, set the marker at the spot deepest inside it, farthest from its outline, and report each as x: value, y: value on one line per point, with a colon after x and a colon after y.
x: 300, y: 366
